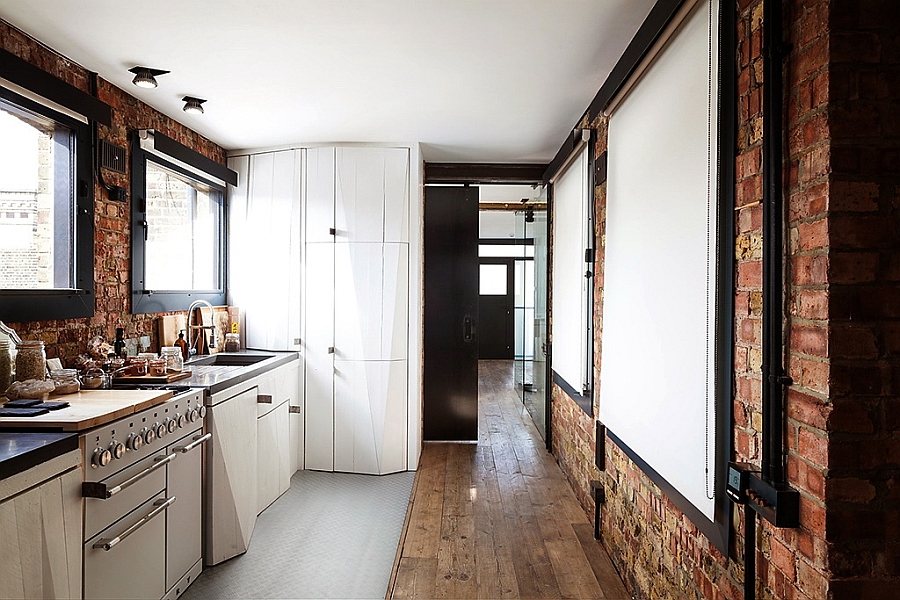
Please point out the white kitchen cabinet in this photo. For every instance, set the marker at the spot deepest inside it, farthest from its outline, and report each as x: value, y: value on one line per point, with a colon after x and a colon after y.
x: 272, y: 455
x: 231, y: 475
x: 370, y: 416
x: 357, y: 309
x: 266, y: 248
x: 41, y: 529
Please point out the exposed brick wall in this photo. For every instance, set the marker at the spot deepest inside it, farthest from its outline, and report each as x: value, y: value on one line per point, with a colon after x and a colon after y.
x: 112, y: 235
x: 842, y: 86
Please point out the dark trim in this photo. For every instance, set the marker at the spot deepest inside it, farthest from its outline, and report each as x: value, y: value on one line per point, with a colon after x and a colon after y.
x: 600, y: 445
x: 506, y: 241
x: 49, y: 304
x: 42, y: 83
x: 483, y: 173
x: 584, y: 402
x: 716, y: 531
x: 562, y: 155
x: 774, y: 377
x: 600, y: 168
x: 153, y: 301
x: 189, y: 156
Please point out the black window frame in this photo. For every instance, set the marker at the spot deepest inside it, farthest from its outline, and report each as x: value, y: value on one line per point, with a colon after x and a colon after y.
x: 145, y: 301
x: 23, y: 305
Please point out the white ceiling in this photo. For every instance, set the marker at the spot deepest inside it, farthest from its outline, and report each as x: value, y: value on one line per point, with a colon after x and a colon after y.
x: 472, y: 80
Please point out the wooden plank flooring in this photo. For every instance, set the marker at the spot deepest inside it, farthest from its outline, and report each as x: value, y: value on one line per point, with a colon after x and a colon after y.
x: 498, y: 519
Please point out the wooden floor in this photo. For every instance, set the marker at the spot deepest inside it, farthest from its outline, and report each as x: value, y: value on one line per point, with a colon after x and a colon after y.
x: 498, y: 519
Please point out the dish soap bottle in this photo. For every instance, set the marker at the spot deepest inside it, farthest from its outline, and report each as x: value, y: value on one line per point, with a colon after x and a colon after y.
x: 182, y: 343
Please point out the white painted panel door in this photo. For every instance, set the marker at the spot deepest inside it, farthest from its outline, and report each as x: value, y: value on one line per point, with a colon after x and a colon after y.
x: 272, y: 305
x: 231, y: 473
x: 273, y: 456
x: 239, y: 271
x: 371, y: 301
x: 319, y: 373
x: 370, y: 416
x: 359, y: 195
x: 396, y: 194
x: 319, y: 199
x: 395, y: 302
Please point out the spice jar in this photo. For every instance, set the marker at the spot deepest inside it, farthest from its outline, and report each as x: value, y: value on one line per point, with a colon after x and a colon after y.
x: 172, y: 355
x: 157, y: 367
x: 5, y: 365
x: 31, y: 361
x: 66, y: 381
x: 232, y: 342
x: 139, y: 367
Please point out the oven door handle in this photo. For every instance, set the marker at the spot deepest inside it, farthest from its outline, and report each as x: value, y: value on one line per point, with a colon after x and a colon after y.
x: 197, y: 440
x: 160, y: 505
x: 100, y: 490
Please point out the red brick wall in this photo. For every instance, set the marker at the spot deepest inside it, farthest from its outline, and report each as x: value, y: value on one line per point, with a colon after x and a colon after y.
x: 842, y: 87
x: 112, y: 235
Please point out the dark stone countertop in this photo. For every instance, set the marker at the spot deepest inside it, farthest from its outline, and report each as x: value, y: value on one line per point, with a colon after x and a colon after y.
x: 19, y: 451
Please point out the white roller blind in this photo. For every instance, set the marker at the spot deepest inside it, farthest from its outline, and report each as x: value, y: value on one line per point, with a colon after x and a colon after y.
x: 657, y: 386
x: 570, y: 327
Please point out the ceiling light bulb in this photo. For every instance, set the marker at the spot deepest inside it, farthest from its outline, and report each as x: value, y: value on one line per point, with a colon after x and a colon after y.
x: 193, y: 105
x: 144, y: 79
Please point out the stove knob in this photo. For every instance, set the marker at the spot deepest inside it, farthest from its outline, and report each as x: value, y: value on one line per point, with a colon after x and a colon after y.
x: 182, y: 420
x: 202, y: 410
x: 161, y: 430
x: 149, y: 435
x: 117, y: 449
x: 134, y: 441
x: 193, y: 415
x: 101, y: 458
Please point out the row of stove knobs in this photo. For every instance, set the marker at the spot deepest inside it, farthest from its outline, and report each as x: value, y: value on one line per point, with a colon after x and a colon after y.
x: 135, y: 441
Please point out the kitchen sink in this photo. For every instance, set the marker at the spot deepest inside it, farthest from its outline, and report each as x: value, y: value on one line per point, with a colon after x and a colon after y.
x: 228, y: 360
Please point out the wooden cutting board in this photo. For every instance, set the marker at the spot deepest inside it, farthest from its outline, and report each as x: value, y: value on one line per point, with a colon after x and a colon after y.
x: 91, y: 408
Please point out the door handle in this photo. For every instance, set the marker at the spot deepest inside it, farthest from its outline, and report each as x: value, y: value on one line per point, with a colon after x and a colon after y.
x: 468, y: 329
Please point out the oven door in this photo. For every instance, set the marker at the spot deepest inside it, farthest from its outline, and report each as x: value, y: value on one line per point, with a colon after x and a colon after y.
x: 127, y: 560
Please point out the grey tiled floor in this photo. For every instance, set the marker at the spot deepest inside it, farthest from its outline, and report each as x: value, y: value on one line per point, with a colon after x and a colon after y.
x: 331, y: 535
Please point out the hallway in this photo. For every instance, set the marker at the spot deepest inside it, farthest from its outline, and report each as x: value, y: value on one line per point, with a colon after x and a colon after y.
x: 498, y: 519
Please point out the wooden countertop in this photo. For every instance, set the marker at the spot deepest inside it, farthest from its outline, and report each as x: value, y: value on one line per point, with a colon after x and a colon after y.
x: 90, y: 408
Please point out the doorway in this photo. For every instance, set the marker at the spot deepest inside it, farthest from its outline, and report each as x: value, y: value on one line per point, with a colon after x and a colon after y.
x: 496, y: 307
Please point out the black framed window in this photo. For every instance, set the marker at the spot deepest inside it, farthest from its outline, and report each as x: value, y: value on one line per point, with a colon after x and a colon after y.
x: 178, y: 234
x: 46, y: 212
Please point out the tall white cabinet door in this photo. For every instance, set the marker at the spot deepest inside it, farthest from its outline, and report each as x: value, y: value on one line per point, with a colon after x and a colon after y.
x: 239, y: 261
x: 395, y: 302
x: 319, y: 197
x: 272, y: 305
x: 319, y: 373
x: 396, y: 194
x: 370, y: 416
x: 371, y: 194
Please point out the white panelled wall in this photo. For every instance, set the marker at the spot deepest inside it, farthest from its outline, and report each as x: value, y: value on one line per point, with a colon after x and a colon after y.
x: 324, y: 260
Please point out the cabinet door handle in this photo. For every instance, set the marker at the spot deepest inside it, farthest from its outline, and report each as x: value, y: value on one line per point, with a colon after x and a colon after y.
x: 330, y: 349
x: 264, y: 399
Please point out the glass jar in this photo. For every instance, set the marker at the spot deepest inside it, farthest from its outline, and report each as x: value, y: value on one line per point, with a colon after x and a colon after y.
x: 174, y: 361
x: 31, y: 361
x: 139, y: 366
x: 5, y: 365
x: 66, y: 381
x: 232, y: 342
x: 96, y: 379
x: 157, y: 367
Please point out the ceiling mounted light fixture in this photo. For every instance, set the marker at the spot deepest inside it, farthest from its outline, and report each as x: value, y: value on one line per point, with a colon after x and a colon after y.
x: 193, y: 105
x: 145, y: 77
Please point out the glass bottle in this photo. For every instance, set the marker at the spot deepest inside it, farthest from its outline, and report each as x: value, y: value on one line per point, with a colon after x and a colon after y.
x: 174, y: 360
x: 31, y: 361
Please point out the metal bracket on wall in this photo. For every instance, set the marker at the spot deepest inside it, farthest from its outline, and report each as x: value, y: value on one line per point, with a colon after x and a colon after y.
x: 600, y: 446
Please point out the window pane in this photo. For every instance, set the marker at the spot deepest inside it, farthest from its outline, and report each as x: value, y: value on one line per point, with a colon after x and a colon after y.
x: 492, y: 280
x: 36, y: 201
x: 183, y: 224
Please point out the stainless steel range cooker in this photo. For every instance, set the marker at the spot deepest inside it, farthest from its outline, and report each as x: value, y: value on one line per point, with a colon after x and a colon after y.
x: 143, y: 501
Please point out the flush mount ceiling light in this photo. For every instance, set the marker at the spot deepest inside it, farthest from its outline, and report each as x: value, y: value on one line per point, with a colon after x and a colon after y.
x: 145, y: 77
x: 193, y: 105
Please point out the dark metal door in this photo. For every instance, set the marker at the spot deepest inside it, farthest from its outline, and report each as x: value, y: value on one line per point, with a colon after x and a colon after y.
x: 450, y: 405
x: 496, y: 306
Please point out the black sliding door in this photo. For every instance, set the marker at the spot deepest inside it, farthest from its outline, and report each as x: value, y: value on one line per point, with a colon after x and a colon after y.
x: 450, y: 405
